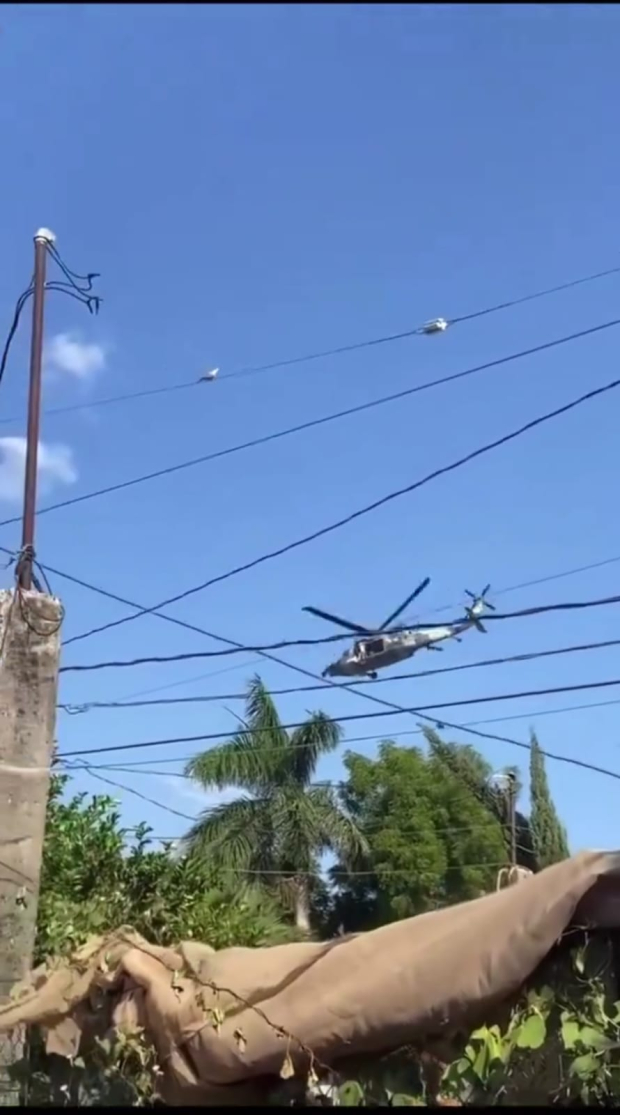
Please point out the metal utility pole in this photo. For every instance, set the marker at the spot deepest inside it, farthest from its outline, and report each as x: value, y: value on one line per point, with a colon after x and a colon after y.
x: 29, y: 660
x: 512, y: 810
x: 509, y: 788
x: 42, y: 238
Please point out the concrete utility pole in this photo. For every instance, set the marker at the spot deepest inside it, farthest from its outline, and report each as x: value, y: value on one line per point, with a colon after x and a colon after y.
x: 29, y: 658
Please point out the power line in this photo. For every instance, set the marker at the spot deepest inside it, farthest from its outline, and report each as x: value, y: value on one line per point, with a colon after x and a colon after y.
x: 194, y: 678
x: 420, y: 329
x: 111, y: 399
x: 209, y: 810
x: 133, y: 764
x: 530, y: 656
x: 438, y: 724
x: 417, y: 710
x: 266, y: 438
x: 187, y: 655
x: 541, y: 580
x: 131, y: 790
x: 80, y: 294
x: 200, y: 677
x: 374, y: 506
x: 167, y: 389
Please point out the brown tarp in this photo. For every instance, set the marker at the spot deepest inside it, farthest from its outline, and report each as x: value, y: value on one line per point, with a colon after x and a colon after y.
x: 363, y: 994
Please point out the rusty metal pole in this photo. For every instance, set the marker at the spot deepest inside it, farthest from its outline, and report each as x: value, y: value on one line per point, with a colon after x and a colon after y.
x: 512, y: 798
x: 42, y: 238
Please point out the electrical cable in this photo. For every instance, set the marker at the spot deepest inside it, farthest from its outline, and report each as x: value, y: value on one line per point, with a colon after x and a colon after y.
x: 303, y: 359
x: 190, y: 655
x: 110, y: 399
x: 209, y: 810
x: 63, y: 288
x: 416, y: 711
x: 374, y: 506
x: 134, y: 764
x: 131, y: 790
x: 201, y: 677
x: 419, y: 330
x: 439, y: 724
x: 266, y: 438
x: 21, y: 302
x: 530, y: 656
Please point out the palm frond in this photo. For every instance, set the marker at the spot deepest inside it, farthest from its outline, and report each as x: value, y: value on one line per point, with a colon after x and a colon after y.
x: 317, y: 737
x: 330, y: 828
x: 251, y: 759
x: 262, y: 714
x: 233, y: 836
x: 236, y: 763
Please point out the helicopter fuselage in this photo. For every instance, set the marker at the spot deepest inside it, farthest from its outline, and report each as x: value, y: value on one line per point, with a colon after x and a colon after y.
x: 376, y: 652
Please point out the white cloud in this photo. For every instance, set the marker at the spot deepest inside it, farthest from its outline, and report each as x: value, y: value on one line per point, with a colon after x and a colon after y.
x: 203, y: 798
x: 67, y: 354
x: 55, y: 466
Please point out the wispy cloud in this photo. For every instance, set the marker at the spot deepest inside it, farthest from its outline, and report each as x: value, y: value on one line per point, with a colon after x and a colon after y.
x: 201, y: 798
x: 56, y: 466
x: 67, y: 354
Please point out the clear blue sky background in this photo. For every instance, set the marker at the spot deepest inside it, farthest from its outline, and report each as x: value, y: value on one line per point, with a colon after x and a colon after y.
x: 258, y: 182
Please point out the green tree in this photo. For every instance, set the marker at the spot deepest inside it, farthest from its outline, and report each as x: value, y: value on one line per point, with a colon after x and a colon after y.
x: 97, y: 876
x: 469, y: 765
x: 431, y: 841
x: 274, y: 834
x: 549, y: 835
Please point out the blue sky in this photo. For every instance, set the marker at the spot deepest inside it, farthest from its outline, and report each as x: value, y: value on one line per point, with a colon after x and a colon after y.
x: 255, y: 183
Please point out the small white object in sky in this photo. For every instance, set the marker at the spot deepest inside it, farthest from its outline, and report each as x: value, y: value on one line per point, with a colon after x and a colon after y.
x: 209, y: 376
x: 45, y: 234
x: 438, y: 325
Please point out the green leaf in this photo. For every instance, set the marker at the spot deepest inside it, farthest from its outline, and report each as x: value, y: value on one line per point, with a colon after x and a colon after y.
x: 586, y: 1065
x: 531, y: 1033
x: 482, y: 1061
x: 351, y: 1094
x: 570, y: 1030
x: 399, y: 1099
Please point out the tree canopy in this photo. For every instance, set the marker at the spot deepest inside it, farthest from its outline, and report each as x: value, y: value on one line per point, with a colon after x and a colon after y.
x: 97, y: 876
x: 273, y: 835
x: 431, y: 841
x: 548, y: 834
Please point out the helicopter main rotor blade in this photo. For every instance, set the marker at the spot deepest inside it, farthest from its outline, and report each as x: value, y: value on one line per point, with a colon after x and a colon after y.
x: 339, y: 622
x: 390, y: 620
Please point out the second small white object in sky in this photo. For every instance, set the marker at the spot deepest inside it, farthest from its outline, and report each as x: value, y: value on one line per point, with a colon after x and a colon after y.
x: 209, y: 376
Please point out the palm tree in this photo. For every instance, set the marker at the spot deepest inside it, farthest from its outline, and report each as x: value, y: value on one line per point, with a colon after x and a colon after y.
x: 274, y: 834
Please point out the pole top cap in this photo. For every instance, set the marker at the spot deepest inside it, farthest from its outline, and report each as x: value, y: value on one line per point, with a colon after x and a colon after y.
x: 45, y: 234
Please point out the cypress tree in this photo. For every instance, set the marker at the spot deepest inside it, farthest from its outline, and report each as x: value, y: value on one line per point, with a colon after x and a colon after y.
x: 548, y: 834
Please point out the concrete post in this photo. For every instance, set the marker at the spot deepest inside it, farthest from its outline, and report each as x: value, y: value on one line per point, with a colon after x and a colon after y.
x: 29, y: 660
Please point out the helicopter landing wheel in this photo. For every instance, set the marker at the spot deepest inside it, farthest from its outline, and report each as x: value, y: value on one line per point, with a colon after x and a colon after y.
x: 373, y: 675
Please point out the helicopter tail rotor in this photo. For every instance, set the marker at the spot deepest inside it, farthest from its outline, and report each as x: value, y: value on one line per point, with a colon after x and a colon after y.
x: 480, y: 603
x: 476, y: 622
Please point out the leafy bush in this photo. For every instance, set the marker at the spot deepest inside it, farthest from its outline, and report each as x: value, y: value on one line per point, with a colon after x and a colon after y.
x: 92, y: 881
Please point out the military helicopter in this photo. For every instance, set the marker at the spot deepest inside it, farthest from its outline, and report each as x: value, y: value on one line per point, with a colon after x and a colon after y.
x: 386, y: 645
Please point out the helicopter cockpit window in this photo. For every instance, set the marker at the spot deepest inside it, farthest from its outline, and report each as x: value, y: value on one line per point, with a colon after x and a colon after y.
x: 375, y: 646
